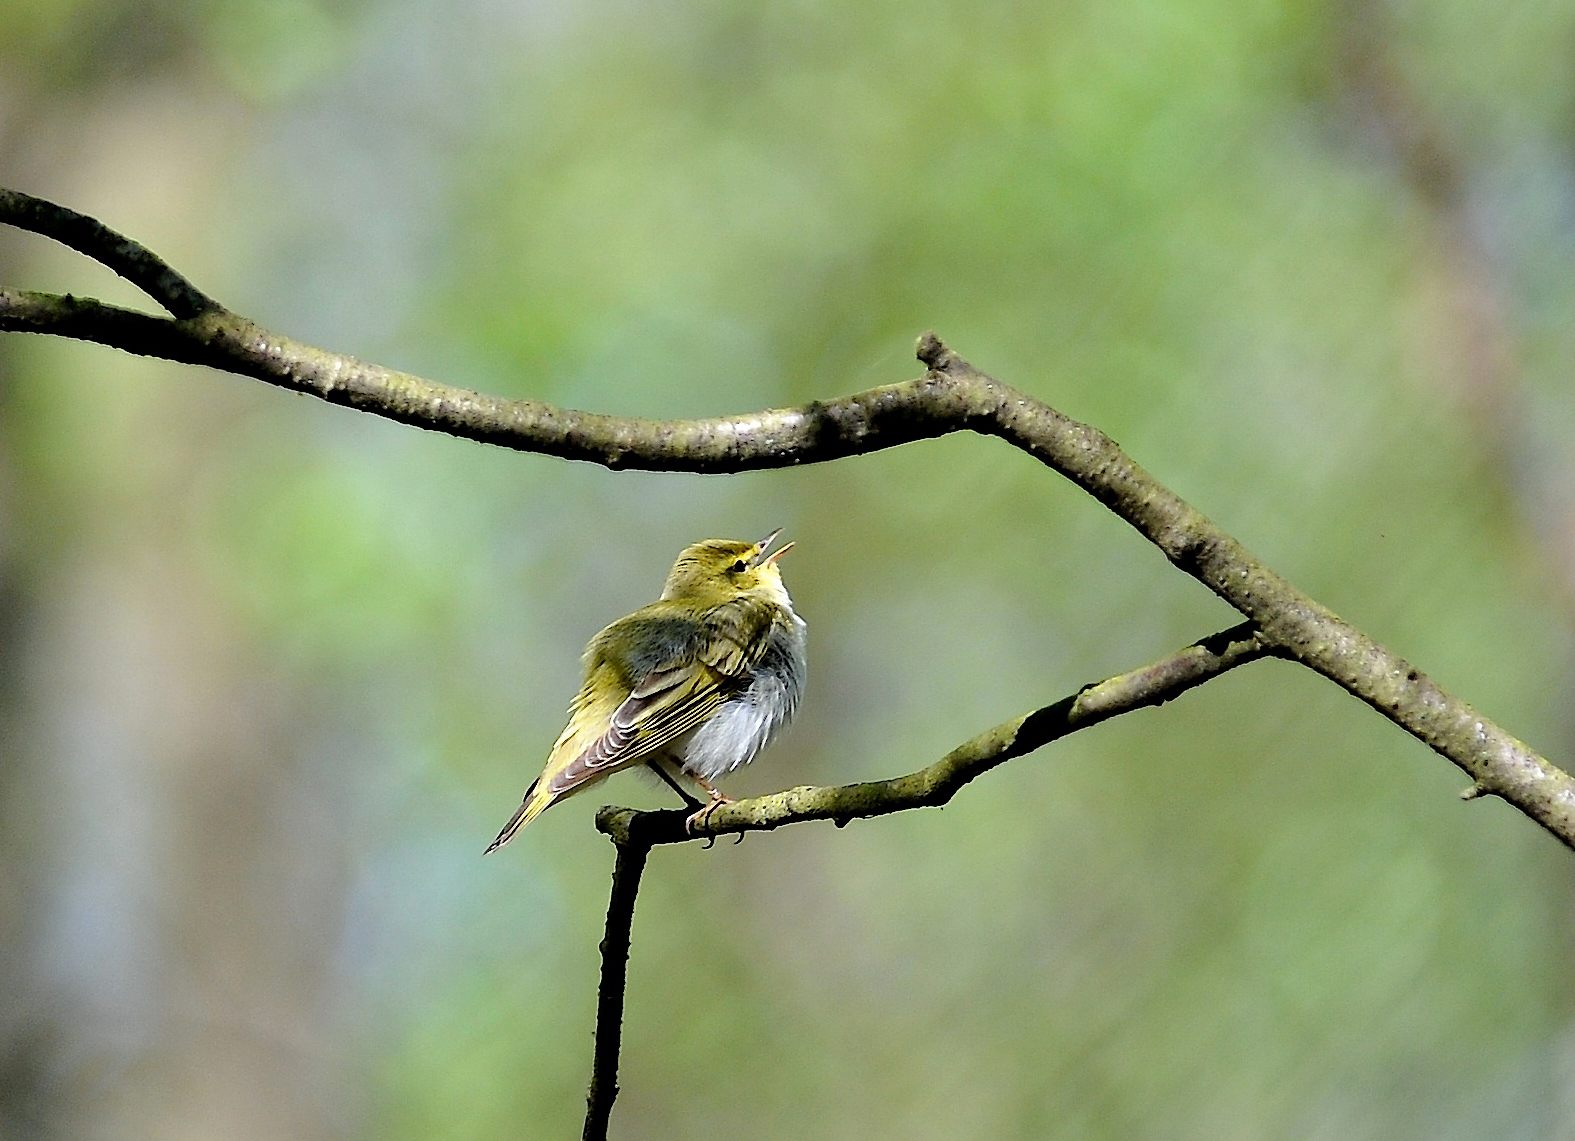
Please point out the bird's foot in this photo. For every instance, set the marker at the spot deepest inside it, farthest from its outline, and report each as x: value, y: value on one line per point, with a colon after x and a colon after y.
x: 699, y: 819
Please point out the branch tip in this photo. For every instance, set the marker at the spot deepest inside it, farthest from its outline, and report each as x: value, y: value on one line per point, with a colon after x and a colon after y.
x: 934, y: 353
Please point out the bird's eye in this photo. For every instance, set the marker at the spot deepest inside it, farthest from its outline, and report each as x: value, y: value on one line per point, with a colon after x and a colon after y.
x: 739, y: 567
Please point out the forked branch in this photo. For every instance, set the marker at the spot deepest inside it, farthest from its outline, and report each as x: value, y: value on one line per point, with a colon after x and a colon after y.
x: 635, y: 833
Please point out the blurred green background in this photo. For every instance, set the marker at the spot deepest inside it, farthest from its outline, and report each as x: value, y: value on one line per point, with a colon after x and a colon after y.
x: 272, y: 673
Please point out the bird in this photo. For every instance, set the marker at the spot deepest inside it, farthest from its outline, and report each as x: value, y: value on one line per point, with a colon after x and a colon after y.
x: 694, y: 685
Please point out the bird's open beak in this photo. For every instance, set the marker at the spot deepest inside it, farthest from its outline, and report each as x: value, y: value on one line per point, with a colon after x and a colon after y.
x: 761, y: 558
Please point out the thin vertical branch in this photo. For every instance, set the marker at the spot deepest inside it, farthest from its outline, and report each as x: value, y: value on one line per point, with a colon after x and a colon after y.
x: 609, y: 996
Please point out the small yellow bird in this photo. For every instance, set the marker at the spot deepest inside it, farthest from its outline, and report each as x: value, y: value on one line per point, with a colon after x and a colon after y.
x: 695, y: 684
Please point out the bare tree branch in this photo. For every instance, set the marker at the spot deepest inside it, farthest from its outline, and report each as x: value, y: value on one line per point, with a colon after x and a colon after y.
x: 609, y: 994
x: 635, y: 833
x: 935, y: 784
x: 952, y: 396
x: 814, y: 433
x: 134, y: 262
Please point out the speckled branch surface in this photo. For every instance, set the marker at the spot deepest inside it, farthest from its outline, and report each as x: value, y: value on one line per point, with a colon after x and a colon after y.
x: 951, y: 396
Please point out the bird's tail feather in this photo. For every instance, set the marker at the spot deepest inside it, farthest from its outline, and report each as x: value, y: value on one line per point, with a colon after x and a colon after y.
x: 530, y: 808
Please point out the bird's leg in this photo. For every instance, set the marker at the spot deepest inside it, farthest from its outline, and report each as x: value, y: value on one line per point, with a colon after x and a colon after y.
x: 668, y: 770
x: 659, y: 767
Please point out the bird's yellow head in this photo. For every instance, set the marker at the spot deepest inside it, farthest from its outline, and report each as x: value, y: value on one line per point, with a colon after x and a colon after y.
x: 718, y: 569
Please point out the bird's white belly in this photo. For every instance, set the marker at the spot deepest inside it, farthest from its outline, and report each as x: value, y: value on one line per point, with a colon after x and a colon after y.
x: 745, y: 724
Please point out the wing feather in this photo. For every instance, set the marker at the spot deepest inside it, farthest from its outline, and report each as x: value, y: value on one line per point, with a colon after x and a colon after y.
x: 674, y: 694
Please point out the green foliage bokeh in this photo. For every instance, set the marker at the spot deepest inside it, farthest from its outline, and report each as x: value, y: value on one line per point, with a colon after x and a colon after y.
x: 1259, y: 911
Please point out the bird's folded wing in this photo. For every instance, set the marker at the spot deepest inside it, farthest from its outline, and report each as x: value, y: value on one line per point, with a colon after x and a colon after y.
x: 663, y: 707
x: 664, y: 704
